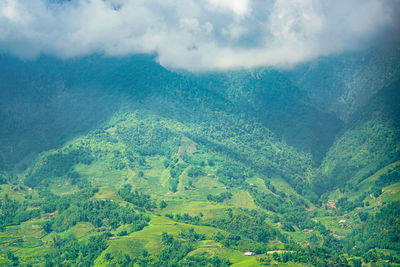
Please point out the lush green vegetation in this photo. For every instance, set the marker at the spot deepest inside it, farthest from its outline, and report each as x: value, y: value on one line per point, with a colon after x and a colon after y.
x: 183, y: 170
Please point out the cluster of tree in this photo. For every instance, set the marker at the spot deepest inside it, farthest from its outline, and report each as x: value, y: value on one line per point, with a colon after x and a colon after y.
x: 191, y: 235
x: 392, y: 176
x: 233, y: 174
x: 198, y: 159
x: 293, y: 210
x: 149, y: 137
x: 252, y: 227
x: 58, y: 165
x: 196, y: 171
x: 381, y: 230
x: 236, y: 242
x: 185, y: 218
x: 219, y: 198
x: 267, y: 201
x: 69, y: 251
x: 176, y: 171
x: 11, y: 257
x: 3, y: 177
x: 173, y: 250
x: 317, y: 257
x: 296, y: 216
x: 344, y: 205
x: 138, y: 199
x: 80, y: 207
x: 15, y: 212
x: 241, y: 139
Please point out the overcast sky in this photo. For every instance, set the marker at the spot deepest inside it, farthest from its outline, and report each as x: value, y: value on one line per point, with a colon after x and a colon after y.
x: 202, y: 35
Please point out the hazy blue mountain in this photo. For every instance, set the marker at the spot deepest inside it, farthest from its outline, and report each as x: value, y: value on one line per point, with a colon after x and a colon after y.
x: 345, y: 82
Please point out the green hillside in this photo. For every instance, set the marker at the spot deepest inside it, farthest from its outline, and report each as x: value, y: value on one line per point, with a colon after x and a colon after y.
x: 120, y: 162
x: 370, y: 142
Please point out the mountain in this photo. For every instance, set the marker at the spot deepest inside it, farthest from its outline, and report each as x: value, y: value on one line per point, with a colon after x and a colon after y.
x: 277, y: 103
x: 343, y: 83
x: 369, y: 143
x: 121, y: 162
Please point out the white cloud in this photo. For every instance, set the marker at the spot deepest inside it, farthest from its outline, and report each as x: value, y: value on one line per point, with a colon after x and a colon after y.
x: 239, y: 7
x: 196, y: 35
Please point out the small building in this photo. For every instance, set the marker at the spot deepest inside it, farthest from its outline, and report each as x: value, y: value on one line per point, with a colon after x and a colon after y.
x: 249, y: 253
x: 342, y: 221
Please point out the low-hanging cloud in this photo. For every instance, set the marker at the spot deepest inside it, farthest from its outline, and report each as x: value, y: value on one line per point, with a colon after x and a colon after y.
x: 195, y: 35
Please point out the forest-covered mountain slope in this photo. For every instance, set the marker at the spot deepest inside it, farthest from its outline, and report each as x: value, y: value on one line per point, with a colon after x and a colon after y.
x: 277, y: 103
x: 369, y: 143
x: 40, y: 108
x: 343, y: 83
x: 120, y: 162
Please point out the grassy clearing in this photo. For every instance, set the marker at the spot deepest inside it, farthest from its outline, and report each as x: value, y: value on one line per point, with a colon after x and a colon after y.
x: 100, y: 174
x: 200, y: 189
x: 106, y: 192
x: 243, y: 199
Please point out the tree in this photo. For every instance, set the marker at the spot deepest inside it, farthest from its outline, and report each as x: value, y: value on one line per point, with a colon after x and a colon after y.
x: 356, y: 262
x: 276, y: 257
x: 195, y: 171
x: 363, y: 215
x: 163, y: 204
x: 47, y: 226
